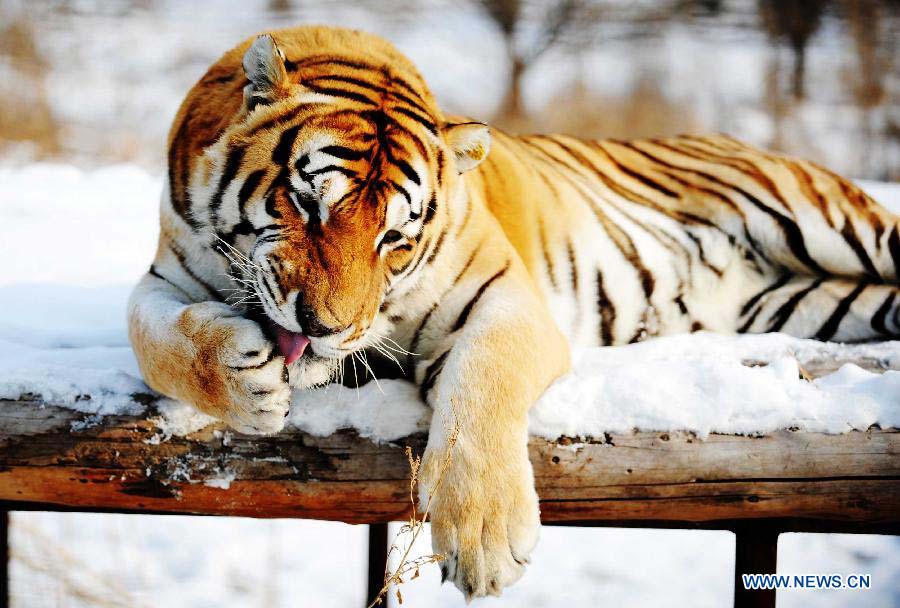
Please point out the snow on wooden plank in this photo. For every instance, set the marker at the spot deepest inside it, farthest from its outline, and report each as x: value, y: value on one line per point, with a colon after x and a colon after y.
x: 61, y: 457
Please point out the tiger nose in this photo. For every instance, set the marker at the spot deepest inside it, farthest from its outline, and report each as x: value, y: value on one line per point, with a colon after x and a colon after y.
x: 310, y: 322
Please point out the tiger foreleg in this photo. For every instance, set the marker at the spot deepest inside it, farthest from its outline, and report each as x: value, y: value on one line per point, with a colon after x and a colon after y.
x: 476, y: 472
x: 206, y: 354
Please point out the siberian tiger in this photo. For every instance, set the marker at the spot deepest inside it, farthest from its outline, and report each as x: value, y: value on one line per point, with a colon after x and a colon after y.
x: 311, y: 170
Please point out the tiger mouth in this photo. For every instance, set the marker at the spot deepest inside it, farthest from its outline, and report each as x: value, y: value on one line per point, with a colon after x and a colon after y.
x: 290, y: 345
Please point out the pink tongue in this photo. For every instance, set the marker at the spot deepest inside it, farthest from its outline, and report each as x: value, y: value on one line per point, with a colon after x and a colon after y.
x: 290, y: 344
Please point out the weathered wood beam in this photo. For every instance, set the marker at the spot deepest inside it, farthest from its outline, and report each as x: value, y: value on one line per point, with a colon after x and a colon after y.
x: 56, y: 456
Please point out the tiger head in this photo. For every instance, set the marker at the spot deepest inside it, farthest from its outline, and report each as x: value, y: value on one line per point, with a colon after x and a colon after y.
x: 348, y: 173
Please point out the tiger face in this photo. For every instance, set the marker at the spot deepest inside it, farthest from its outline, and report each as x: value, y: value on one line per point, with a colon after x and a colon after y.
x: 355, y: 199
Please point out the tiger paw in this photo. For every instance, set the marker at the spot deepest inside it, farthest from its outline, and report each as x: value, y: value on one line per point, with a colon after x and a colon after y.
x: 235, y: 373
x: 484, y: 526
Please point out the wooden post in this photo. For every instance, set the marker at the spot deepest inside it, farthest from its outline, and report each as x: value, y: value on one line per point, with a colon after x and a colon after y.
x: 377, y: 561
x: 756, y: 552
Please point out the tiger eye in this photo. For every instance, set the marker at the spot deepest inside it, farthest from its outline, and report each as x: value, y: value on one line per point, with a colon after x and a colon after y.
x: 391, y: 236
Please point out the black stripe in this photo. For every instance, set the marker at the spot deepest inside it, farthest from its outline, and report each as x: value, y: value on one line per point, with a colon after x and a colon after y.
x: 849, y: 234
x: 269, y: 238
x: 831, y: 326
x: 439, y: 158
x: 408, y: 171
x: 414, y: 344
x: 573, y: 262
x: 382, y: 121
x: 179, y: 255
x: 249, y: 187
x: 437, y: 247
x: 270, y: 207
x: 416, y: 258
x: 744, y: 166
x: 281, y: 155
x: 894, y: 247
x: 467, y: 309
x: 279, y: 121
x: 328, y: 168
x: 371, y: 86
x: 653, y: 185
x: 708, y: 191
x: 782, y: 315
x: 232, y: 165
x: 344, y: 94
x: 878, y: 320
x: 209, y: 79
x: 468, y: 263
x: 542, y: 235
x: 398, y: 81
x: 344, y: 153
x: 582, y: 161
x: 409, y: 101
x: 320, y: 59
x: 408, y: 198
x: 320, y: 254
x: 620, y: 238
x: 607, y: 312
x: 262, y: 229
x: 268, y: 289
x: 156, y: 274
x: 430, y: 210
x: 662, y: 237
x: 792, y: 233
x: 270, y: 275
x: 267, y: 360
x: 242, y: 227
x: 424, y: 121
x: 701, y: 253
x: 306, y: 203
x: 425, y: 253
x: 431, y: 375
x: 781, y: 282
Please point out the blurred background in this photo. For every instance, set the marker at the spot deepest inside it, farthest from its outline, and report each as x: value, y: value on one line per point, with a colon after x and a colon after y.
x: 86, y: 84
x: 95, y: 82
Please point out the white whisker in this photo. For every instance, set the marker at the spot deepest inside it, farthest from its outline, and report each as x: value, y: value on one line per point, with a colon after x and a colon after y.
x: 365, y: 361
x: 355, y: 377
x: 394, y: 346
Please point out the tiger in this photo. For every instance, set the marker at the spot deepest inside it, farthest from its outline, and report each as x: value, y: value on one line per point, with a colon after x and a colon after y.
x: 318, y: 205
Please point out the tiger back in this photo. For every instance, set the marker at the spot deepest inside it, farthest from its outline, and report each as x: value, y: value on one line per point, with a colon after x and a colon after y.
x: 631, y: 239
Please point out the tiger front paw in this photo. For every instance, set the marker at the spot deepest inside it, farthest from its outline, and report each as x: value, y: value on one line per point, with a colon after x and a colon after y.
x: 484, y: 521
x: 234, y: 373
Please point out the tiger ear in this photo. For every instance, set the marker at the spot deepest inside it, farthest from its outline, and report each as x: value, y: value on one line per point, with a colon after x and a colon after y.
x: 264, y: 67
x: 470, y: 142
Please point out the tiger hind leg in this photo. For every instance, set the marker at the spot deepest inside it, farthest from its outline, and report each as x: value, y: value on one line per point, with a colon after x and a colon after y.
x: 824, y: 308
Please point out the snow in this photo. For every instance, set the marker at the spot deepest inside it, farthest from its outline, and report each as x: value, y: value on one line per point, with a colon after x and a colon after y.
x: 194, y: 562
x: 63, y: 339
x: 702, y: 383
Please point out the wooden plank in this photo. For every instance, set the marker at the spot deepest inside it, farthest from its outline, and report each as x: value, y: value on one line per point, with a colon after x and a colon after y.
x: 56, y: 456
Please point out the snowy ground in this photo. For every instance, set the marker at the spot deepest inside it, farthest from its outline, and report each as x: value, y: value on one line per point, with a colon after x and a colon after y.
x: 74, y: 243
